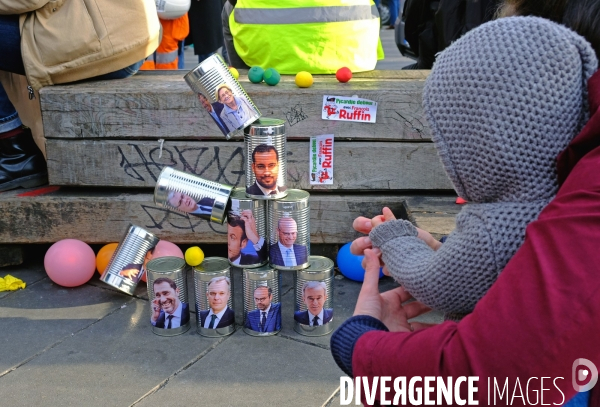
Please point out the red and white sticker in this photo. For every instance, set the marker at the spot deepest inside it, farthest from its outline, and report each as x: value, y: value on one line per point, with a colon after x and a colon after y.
x: 321, y: 160
x: 350, y: 109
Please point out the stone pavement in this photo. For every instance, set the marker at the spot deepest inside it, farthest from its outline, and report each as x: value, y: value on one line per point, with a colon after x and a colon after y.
x: 93, y: 346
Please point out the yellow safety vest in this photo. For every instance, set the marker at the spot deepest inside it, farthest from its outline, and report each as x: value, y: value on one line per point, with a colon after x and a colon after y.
x: 318, y: 36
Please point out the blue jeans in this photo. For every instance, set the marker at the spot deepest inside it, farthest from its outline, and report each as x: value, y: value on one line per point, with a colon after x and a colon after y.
x: 11, y: 61
x: 394, y: 9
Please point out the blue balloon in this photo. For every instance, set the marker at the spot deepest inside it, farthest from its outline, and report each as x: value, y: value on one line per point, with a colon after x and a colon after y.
x: 350, y: 264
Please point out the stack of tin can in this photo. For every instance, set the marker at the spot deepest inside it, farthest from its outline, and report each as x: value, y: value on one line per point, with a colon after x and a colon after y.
x: 268, y: 225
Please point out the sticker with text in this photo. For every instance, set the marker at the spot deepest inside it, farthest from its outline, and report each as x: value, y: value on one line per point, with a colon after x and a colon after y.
x: 351, y: 109
x: 321, y: 160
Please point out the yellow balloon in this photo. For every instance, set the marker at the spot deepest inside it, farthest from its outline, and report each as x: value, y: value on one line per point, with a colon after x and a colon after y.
x: 304, y: 79
x: 104, y: 256
x: 235, y: 74
x: 194, y: 256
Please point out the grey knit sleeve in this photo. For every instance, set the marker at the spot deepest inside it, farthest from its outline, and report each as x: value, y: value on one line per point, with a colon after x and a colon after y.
x: 451, y: 279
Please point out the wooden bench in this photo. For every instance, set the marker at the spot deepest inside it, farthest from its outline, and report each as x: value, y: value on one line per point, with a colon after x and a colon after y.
x: 104, y: 152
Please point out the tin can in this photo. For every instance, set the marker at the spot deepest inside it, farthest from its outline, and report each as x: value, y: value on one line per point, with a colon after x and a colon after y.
x: 125, y: 268
x: 266, y: 159
x: 191, y: 194
x: 289, y: 225
x: 313, y: 292
x: 168, y: 295
x: 247, y: 238
x: 213, y: 289
x: 262, y: 303
x: 222, y: 96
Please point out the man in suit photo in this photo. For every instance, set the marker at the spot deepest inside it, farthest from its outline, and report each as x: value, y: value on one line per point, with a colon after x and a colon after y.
x: 314, y: 295
x: 285, y: 252
x: 219, y: 315
x: 265, y: 166
x: 267, y: 315
x: 240, y: 229
x: 214, y: 110
x: 187, y: 204
x: 167, y: 310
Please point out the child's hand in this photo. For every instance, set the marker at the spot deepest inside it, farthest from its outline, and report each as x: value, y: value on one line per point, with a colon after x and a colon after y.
x: 379, y: 219
x: 427, y: 238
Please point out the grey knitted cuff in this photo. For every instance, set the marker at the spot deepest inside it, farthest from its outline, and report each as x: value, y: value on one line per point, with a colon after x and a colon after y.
x: 390, y: 230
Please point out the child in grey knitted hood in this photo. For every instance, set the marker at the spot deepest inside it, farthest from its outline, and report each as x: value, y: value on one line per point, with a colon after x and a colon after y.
x: 502, y: 102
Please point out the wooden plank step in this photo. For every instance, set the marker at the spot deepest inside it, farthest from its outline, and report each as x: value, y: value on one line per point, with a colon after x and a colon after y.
x: 161, y: 105
x: 99, y: 215
x: 136, y: 163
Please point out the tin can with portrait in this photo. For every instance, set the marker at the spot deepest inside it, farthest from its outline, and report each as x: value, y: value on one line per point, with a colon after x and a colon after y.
x: 222, y: 96
x: 125, y: 268
x: 247, y: 237
x: 213, y: 289
x: 188, y: 193
x: 262, y: 301
x: 266, y: 159
x: 313, y: 293
x: 289, y: 236
x: 168, y: 296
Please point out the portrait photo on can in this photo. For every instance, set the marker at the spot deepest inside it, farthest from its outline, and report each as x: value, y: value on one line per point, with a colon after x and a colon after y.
x: 286, y: 252
x: 131, y: 271
x: 187, y: 204
x: 314, y: 297
x: 267, y: 315
x: 266, y: 168
x: 168, y: 311
x: 244, y: 245
x: 237, y: 110
x: 219, y: 314
x: 214, y: 110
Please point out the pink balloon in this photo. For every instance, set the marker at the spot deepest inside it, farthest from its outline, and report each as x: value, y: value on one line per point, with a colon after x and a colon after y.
x: 70, y: 262
x: 164, y: 249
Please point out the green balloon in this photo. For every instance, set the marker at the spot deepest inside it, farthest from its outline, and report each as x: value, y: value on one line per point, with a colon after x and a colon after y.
x: 255, y: 74
x: 271, y: 77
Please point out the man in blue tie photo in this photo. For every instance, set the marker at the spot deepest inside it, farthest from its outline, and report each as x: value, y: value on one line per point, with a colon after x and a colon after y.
x: 168, y: 311
x: 219, y: 315
x: 267, y: 317
x: 314, y: 295
x: 285, y: 252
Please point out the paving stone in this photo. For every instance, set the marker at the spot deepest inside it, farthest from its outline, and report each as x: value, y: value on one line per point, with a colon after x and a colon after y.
x: 254, y: 371
x: 45, y: 313
x: 111, y: 363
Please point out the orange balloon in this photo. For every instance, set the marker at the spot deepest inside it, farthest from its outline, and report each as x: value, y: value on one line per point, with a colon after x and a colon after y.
x: 104, y: 255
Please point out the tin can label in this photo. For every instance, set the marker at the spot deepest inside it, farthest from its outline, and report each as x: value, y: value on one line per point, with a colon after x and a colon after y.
x: 168, y: 311
x: 219, y: 313
x: 266, y: 317
x: 246, y: 243
x: 312, y: 304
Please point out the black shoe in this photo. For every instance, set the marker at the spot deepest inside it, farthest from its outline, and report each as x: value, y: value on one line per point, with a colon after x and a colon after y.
x: 22, y: 164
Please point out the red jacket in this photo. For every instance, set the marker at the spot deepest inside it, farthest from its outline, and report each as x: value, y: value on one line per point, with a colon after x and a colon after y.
x: 541, y: 315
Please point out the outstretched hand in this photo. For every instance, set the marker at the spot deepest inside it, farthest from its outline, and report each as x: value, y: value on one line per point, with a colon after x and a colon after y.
x: 388, y: 307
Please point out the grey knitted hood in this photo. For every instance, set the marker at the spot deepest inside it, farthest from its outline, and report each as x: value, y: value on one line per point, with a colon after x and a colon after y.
x: 503, y: 101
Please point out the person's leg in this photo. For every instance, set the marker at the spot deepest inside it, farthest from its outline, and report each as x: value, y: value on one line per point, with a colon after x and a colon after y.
x: 202, y: 57
x: 10, y: 44
x: 21, y: 161
x: 394, y: 9
x: 181, y: 56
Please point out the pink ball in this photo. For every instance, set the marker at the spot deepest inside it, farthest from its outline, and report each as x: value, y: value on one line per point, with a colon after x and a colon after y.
x: 164, y: 249
x: 70, y: 262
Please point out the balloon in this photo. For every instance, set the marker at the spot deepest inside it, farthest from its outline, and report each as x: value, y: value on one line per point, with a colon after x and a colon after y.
x: 104, y: 255
x: 350, y: 264
x: 162, y: 249
x: 304, y: 79
x: 70, y: 262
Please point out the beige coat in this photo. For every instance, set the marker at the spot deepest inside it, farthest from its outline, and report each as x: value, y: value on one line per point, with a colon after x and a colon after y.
x: 69, y: 40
